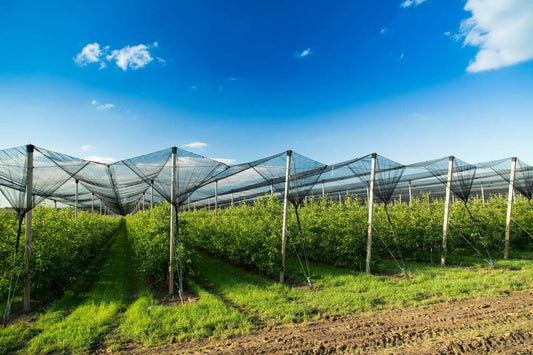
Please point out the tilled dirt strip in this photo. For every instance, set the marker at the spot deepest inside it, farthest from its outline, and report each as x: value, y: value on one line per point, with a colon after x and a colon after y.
x: 498, y: 325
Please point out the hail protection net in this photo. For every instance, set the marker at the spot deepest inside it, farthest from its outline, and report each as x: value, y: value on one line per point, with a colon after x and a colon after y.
x: 47, y: 177
x: 523, y: 179
x: 303, y: 174
x: 463, y: 175
x: 387, y: 175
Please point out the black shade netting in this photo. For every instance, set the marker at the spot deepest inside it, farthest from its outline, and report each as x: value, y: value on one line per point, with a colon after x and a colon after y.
x: 463, y: 175
x: 47, y: 176
x: 303, y: 174
x: 523, y: 179
x: 387, y: 175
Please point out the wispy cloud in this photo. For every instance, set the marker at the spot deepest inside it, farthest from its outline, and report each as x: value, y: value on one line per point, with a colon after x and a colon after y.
x: 102, y: 106
x: 304, y: 53
x: 503, y: 31
x: 408, y: 3
x: 225, y: 161
x: 105, y: 160
x: 128, y: 57
x: 195, y: 145
x: 383, y: 31
x: 86, y: 147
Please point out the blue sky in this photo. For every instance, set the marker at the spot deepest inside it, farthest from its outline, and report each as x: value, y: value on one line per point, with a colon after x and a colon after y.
x: 411, y: 80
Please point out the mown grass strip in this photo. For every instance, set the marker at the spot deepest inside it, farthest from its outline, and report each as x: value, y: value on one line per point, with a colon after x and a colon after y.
x: 150, y: 323
x: 17, y: 335
x: 341, y: 291
x: 83, y: 329
x: 254, y: 294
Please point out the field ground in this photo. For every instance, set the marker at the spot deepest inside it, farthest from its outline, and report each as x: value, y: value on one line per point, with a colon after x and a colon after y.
x: 501, y: 324
x: 461, y: 309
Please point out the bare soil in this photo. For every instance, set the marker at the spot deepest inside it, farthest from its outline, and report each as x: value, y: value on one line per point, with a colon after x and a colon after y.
x: 489, y: 325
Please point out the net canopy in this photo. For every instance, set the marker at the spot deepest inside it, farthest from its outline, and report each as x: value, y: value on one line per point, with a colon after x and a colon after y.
x: 125, y: 185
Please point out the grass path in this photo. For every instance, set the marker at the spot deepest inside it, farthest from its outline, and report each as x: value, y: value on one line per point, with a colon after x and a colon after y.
x: 84, y: 328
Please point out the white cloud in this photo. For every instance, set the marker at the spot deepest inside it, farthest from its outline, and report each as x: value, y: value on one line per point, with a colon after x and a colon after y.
x: 91, y: 53
x: 447, y: 33
x: 225, y: 161
x: 86, y: 147
x: 102, y: 106
x: 304, y: 53
x: 503, y: 31
x: 195, y: 145
x: 105, y: 106
x: 408, y: 3
x: 101, y: 159
x: 383, y: 31
x: 131, y: 57
x: 194, y: 87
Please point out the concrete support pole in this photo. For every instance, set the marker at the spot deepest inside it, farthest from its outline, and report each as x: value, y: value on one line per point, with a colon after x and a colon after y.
x: 76, y: 201
x: 509, y: 209
x: 216, y: 198
x: 447, y: 211
x: 100, y: 207
x: 340, y: 198
x: 92, y: 204
x: 370, y: 212
x: 410, y: 195
x: 29, y: 205
x: 323, y: 189
x: 285, y: 210
x: 483, y: 194
x: 189, y: 203
x: 152, y: 195
x: 143, y: 202
x: 172, y: 224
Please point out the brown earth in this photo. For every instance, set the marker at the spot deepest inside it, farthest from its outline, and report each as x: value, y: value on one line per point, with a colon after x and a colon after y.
x: 488, y: 325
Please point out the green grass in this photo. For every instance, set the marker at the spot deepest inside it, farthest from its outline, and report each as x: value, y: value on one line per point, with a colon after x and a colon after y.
x: 84, y: 327
x: 150, y: 323
x: 264, y: 301
x: 111, y: 304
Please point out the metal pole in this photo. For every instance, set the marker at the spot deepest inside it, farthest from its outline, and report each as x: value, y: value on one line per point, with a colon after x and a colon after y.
x: 323, y: 189
x: 29, y: 206
x: 370, y: 212
x: 172, y: 224
x: 285, y: 209
x: 447, y: 212
x: 152, y: 195
x: 340, y: 198
x: 143, y: 201
x: 92, y: 205
x: 76, y: 201
x: 509, y: 209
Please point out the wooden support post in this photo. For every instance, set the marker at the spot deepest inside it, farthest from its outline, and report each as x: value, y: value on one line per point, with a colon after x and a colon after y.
x: 29, y: 206
x: 509, y: 209
x: 370, y: 212
x: 76, y: 201
x: 285, y: 210
x: 216, y: 198
x: 172, y: 224
x: 446, y: 212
